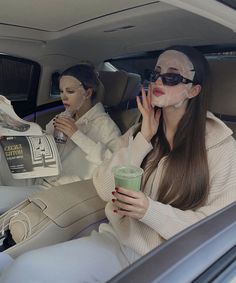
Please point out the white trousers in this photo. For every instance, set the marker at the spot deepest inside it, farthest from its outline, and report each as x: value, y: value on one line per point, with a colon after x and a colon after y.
x: 11, y: 196
x: 96, y: 258
x: 5, y: 261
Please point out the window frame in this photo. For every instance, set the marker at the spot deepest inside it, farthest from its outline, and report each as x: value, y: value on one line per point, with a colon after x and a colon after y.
x: 25, y: 107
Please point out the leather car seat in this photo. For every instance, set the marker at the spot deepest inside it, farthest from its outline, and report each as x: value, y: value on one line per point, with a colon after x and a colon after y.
x: 222, y: 101
x: 120, y: 90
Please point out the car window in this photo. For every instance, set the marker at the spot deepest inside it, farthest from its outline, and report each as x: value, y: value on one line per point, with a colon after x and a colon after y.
x: 16, y: 77
x: 19, y: 79
x: 54, y: 90
x: 140, y: 65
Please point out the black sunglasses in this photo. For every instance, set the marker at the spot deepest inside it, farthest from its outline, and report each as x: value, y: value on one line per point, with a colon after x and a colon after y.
x: 169, y: 79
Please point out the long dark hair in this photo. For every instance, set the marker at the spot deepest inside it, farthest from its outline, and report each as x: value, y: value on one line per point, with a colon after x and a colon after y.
x: 185, y: 179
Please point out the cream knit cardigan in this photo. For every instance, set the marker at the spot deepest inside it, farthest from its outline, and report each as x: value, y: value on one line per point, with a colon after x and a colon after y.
x: 163, y: 221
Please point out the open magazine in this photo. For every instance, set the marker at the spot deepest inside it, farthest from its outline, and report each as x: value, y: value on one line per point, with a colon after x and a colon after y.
x: 29, y: 152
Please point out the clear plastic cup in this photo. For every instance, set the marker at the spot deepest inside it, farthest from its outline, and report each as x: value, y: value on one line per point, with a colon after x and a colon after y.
x: 128, y: 177
x: 59, y: 136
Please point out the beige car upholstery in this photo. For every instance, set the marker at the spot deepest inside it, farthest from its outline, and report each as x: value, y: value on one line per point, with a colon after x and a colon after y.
x: 120, y: 90
x: 222, y: 101
x: 48, y: 217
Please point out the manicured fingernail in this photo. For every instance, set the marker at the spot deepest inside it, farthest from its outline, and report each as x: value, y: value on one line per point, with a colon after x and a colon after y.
x: 113, y: 192
x: 115, y: 211
x: 116, y: 189
x: 113, y: 200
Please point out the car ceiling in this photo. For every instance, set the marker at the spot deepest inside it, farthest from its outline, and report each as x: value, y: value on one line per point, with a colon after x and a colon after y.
x: 98, y: 30
x: 58, y: 15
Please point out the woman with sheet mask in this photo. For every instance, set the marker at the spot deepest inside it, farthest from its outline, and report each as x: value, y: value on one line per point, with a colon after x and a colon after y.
x: 171, y: 88
x: 172, y: 63
x: 91, y: 133
x: 87, y: 145
x: 77, y: 100
x: 189, y: 162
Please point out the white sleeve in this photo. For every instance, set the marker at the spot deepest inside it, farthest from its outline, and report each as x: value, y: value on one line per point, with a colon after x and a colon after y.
x: 103, y: 144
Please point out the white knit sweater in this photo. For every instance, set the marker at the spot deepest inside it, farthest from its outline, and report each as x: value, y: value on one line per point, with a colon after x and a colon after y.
x: 162, y: 221
x: 93, y: 142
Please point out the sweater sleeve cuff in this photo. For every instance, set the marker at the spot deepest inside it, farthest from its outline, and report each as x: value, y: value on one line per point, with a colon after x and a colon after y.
x: 163, y: 219
x: 155, y: 215
x: 139, y: 149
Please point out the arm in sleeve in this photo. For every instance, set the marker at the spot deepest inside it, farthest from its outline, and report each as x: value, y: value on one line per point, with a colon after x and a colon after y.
x: 101, y: 142
x: 168, y: 221
x: 103, y: 177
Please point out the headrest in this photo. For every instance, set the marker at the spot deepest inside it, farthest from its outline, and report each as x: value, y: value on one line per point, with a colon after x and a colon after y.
x: 223, y: 94
x: 120, y: 88
x: 115, y: 85
x: 100, y: 92
x: 133, y: 87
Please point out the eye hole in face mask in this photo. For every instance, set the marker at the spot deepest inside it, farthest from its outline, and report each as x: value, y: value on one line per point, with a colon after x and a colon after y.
x: 169, y: 79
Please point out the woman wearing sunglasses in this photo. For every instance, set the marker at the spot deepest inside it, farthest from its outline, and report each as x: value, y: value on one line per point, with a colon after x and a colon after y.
x: 189, y: 162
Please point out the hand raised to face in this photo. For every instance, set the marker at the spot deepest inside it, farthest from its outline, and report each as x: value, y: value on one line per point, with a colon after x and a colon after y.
x: 151, y: 117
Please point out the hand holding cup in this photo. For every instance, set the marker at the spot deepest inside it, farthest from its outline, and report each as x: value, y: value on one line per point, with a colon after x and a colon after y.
x: 130, y: 201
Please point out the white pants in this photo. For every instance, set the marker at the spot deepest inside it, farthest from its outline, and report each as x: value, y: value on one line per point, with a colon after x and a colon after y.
x: 5, y: 261
x: 11, y: 196
x: 96, y: 258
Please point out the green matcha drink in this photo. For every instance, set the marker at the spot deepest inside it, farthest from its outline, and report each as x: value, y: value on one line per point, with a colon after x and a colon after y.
x: 128, y: 177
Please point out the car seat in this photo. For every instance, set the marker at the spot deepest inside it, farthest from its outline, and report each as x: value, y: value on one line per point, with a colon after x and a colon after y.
x: 120, y: 90
x: 222, y: 101
x: 48, y: 217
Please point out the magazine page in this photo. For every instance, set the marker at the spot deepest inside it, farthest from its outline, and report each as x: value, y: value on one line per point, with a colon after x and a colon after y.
x: 31, y: 156
x: 13, y: 125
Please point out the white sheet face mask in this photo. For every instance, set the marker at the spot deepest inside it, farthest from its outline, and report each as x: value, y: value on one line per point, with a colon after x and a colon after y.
x: 78, y: 102
x: 73, y: 94
x: 172, y: 61
x: 170, y: 98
